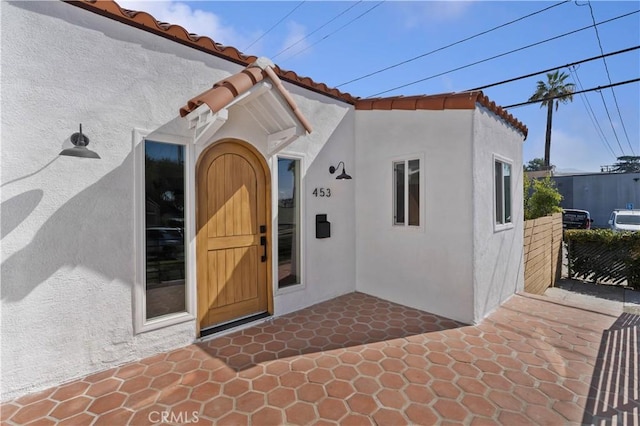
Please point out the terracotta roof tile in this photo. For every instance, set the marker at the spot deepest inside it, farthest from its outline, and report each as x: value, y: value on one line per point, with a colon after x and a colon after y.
x: 225, y: 91
x: 143, y: 20
x: 462, y: 100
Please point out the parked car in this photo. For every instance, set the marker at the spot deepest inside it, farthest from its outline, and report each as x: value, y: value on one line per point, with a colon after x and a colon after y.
x: 576, y: 219
x: 165, y: 243
x: 625, y: 220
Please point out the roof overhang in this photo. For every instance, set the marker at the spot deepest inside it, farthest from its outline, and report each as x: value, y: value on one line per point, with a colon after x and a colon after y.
x: 270, y: 113
x: 258, y: 91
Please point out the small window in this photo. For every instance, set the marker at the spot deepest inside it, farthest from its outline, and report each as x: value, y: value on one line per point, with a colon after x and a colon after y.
x: 288, y: 222
x: 164, y: 180
x: 502, y: 192
x: 406, y: 193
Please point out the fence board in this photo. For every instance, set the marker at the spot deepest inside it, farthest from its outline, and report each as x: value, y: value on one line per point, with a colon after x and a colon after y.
x: 542, y: 252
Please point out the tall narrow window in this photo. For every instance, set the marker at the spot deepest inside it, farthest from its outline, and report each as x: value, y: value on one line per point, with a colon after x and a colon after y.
x: 288, y: 222
x: 406, y: 193
x: 164, y: 223
x: 502, y: 173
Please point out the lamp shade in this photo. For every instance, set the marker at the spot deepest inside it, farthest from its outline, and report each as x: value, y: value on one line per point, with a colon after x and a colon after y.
x: 342, y: 175
x: 79, y: 149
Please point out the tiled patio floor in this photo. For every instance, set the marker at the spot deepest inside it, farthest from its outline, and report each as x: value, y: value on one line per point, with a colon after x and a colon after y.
x: 359, y: 360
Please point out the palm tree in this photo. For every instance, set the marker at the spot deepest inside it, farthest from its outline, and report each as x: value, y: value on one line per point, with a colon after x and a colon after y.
x: 554, y: 89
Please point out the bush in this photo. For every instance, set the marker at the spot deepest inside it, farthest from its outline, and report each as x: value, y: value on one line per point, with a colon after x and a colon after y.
x: 601, y: 254
x: 541, y: 198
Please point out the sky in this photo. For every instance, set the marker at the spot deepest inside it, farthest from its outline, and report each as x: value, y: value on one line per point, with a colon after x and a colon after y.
x: 422, y: 43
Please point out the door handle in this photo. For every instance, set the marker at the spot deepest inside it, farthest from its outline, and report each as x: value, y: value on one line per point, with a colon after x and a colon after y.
x: 263, y: 243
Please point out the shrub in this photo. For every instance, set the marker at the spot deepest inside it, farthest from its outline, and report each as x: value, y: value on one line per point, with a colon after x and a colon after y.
x: 541, y: 198
x: 601, y: 254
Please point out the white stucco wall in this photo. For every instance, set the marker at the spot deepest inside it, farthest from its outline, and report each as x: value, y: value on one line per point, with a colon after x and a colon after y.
x: 430, y: 268
x: 497, y: 262
x: 328, y: 264
x: 68, y: 266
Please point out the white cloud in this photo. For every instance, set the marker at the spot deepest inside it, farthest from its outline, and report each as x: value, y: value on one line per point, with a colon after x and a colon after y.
x: 295, y: 38
x: 195, y: 21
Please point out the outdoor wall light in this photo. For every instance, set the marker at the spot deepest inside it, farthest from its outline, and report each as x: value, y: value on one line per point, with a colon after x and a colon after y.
x: 342, y: 175
x: 79, y: 149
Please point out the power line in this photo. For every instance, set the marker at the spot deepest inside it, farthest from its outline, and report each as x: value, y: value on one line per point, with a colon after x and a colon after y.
x: 590, y: 112
x: 332, y: 33
x: 317, y: 29
x: 611, y: 122
x: 615, y: 99
x: 575, y: 93
x: 593, y: 58
x: 502, y: 54
x: 275, y: 25
x: 450, y: 45
x: 585, y: 100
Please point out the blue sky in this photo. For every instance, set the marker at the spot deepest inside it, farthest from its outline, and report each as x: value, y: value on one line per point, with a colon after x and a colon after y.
x: 371, y: 35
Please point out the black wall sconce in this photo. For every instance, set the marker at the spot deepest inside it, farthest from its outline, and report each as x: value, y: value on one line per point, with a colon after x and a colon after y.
x: 79, y: 149
x: 342, y: 175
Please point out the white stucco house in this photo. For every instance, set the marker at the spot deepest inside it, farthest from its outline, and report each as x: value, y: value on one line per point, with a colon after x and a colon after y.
x: 215, y: 199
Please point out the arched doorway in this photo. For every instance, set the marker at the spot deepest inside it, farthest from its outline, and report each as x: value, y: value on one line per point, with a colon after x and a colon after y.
x: 233, y: 219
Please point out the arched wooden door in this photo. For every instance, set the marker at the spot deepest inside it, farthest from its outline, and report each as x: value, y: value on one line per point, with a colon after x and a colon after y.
x: 233, y: 214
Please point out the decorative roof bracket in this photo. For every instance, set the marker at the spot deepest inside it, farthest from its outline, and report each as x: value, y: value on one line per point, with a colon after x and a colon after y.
x: 204, y: 123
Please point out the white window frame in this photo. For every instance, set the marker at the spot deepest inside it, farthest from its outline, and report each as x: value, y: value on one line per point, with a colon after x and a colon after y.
x: 504, y: 225
x: 140, y: 322
x: 421, y: 209
x: 274, y: 208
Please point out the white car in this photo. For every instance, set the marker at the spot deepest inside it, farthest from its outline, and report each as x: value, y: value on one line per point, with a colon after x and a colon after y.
x: 625, y: 220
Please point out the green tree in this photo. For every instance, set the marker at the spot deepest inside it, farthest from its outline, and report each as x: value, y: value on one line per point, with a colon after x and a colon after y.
x: 541, y: 198
x: 535, y: 165
x: 553, y: 91
x: 627, y: 164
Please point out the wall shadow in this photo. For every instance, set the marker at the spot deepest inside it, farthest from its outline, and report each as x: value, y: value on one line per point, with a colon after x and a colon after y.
x: 16, y: 209
x: 615, y: 385
x: 96, y: 221
x: 353, y: 319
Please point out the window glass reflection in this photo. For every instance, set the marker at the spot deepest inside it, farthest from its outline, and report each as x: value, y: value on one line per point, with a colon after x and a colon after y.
x: 288, y: 222
x: 164, y: 236
x: 414, y: 192
x: 398, y: 178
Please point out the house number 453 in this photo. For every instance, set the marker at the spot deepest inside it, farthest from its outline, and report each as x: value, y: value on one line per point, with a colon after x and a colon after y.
x: 322, y: 192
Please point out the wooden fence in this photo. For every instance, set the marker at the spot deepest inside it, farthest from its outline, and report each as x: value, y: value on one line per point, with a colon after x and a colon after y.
x: 542, y: 253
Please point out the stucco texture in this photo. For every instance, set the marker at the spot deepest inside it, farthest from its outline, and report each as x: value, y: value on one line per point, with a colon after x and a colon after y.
x: 68, y: 248
x: 430, y: 267
x: 497, y: 261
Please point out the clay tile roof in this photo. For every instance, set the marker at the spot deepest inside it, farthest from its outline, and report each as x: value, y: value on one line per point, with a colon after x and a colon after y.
x: 462, y: 100
x: 145, y: 21
x: 225, y: 91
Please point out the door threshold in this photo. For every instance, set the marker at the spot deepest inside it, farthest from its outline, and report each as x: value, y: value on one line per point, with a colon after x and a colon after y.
x: 208, y: 332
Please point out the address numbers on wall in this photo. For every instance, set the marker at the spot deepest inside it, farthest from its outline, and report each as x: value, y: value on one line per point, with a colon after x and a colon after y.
x: 322, y: 192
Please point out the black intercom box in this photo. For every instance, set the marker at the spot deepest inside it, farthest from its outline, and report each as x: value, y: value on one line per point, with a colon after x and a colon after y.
x: 323, y: 227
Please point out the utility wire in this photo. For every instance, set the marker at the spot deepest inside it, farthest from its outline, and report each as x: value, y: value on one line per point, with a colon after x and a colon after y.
x: 593, y: 58
x: 503, y: 54
x: 335, y: 31
x: 585, y: 100
x: 611, y: 122
x: 615, y: 99
x: 316, y: 30
x: 592, y: 116
x: 275, y: 25
x: 450, y: 45
x: 621, y: 83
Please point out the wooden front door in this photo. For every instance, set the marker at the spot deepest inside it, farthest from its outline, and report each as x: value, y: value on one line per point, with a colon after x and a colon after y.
x: 233, y: 214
